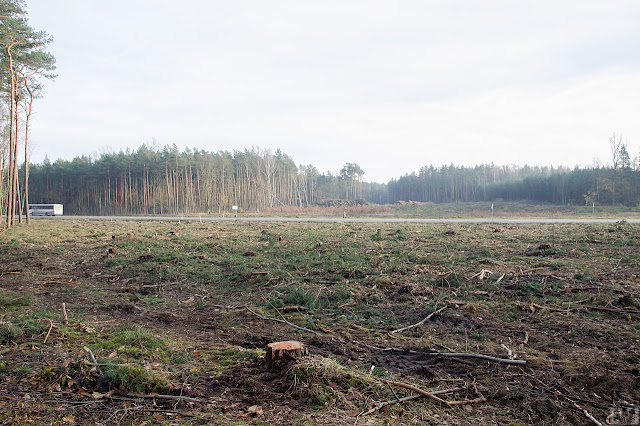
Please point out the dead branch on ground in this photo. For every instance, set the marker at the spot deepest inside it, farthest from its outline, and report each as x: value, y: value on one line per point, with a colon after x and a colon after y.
x: 431, y: 395
x: 51, y: 326
x: 64, y: 313
x: 418, y: 324
x: 282, y: 321
x: 292, y: 309
x: 93, y: 358
x: 381, y: 405
x: 415, y: 389
x: 158, y: 396
x: 588, y: 415
x: 479, y: 356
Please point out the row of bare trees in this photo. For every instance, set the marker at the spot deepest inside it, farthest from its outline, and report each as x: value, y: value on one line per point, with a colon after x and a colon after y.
x: 23, y: 63
x: 166, y: 181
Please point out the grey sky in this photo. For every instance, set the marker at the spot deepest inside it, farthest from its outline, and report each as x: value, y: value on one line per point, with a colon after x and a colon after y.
x: 390, y: 85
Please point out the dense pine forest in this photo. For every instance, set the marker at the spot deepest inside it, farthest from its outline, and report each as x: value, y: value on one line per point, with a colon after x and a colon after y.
x: 601, y: 185
x: 167, y: 181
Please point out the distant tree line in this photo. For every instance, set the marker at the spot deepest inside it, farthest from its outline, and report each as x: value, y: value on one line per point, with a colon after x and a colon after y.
x: 614, y: 185
x: 167, y: 181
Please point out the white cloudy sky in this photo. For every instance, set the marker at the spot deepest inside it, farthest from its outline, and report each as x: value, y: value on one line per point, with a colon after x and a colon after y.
x: 391, y: 85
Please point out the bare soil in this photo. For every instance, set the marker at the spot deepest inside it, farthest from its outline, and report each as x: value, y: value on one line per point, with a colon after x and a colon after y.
x: 563, y: 298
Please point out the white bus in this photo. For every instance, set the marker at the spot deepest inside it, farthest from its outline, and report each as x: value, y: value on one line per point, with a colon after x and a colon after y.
x: 45, y: 209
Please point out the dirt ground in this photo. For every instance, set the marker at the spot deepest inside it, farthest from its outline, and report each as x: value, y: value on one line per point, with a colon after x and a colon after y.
x: 178, y: 314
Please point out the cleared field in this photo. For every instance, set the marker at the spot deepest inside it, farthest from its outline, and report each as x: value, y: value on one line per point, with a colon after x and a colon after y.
x: 178, y: 314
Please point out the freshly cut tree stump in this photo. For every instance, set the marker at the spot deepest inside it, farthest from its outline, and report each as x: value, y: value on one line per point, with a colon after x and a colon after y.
x: 284, y: 351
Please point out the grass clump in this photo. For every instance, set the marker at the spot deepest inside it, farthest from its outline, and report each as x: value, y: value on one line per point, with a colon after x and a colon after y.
x: 11, y: 300
x: 21, y: 328
x: 136, y: 342
x: 134, y: 378
x: 321, y: 382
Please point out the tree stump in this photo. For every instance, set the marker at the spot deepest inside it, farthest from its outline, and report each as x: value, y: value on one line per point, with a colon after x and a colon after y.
x: 284, y: 351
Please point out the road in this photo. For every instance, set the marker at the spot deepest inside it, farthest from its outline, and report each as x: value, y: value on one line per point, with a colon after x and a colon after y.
x: 347, y: 220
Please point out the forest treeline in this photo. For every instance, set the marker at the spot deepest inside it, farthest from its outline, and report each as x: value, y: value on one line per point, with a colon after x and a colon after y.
x: 168, y: 181
x: 613, y: 185
x: 579, y: 186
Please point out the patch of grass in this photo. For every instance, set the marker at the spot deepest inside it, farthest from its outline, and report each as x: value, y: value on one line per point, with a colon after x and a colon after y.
x: 508, y: 317
x: 321, y: 381
x: 134, y: 378
x: 298, y: 296
x: 23, y: 327
x: 14, y: 300
x: 135, y: 341
x: 10, y: 332
x: 225, y: 357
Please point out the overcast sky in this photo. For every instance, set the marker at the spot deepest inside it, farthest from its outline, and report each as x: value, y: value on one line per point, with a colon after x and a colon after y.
x: 390, y: 85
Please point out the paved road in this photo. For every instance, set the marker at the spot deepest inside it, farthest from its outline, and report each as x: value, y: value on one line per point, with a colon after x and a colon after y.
x: 347, y: 220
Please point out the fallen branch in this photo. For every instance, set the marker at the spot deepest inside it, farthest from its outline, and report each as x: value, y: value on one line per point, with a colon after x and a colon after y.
x: 569, y: 308
x: 48, y: 332
x: 64, y: 313
x: 381, y: 405
x: 159, y: 396
x: 479, y: 356
x: 282, y: 321
x: 588, y: 415
x: 292, y: 309
x: 509, y: 351
x: 93, y: 358
x: 418, y: 324
x: 468, y: 401
x: 415, y: 389
x: 432, y: 395
x: 17, y: 347
x: 482, y: 274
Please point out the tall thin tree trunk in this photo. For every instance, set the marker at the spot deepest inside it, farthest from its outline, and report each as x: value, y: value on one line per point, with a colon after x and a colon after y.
x: 15, y: 168
x: 26, y: 150
x: 12, y: 140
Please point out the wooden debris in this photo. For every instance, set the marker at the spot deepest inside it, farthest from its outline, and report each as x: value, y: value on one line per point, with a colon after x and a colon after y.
x: 292, y: 309
x: 158, y: 396
x: 482, y: 274
x: 51, y: 327
x: 588, y: 415
x: 381, y: 405
x: 95, y: 363
x: 415, y: 389
x: 417, y: 324
x: 479, y: 356
x: 282, y: 351
x: 281, y: 320
x: 64, y: 313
